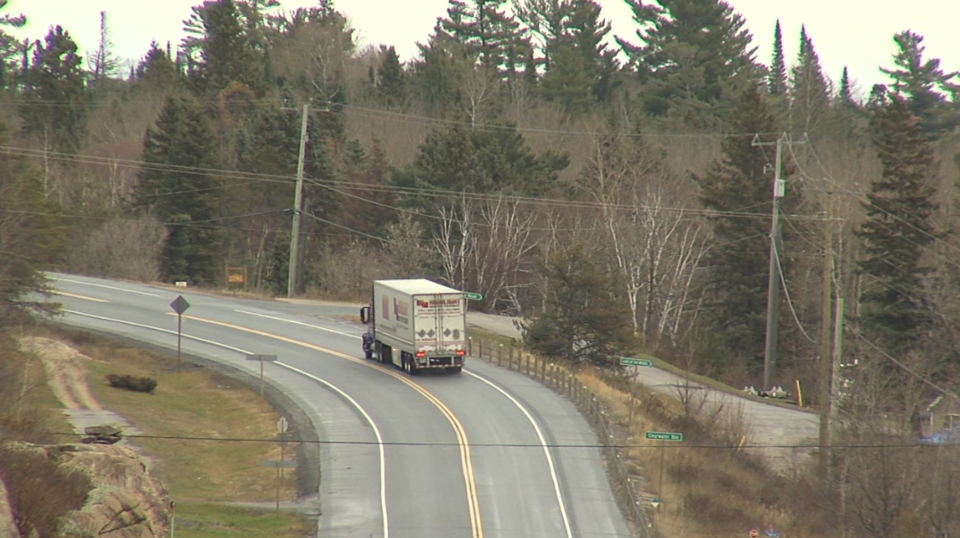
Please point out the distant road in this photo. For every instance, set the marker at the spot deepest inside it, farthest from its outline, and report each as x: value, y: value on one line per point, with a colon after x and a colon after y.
x: 777, y: 428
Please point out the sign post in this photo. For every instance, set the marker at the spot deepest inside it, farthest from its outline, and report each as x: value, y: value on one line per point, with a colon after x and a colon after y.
x: 662, y: 437
x: 282, y: 432
x: 636, y: 363
x: 262, y: 359
x: 179, y: 305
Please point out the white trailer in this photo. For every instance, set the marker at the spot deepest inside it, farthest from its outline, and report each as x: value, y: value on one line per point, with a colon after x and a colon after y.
x: 416, y: 324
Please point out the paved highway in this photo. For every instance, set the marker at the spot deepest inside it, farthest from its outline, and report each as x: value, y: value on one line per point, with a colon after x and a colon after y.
x: 488, y: 453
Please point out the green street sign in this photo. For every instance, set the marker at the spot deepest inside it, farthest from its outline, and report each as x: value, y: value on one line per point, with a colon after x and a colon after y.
x: 473, y: 296
x: 627, y: 361
x: 664, y: 436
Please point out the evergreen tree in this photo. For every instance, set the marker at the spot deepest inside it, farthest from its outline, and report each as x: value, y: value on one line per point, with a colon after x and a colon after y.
x: 562, y: 26
x: 568, y: 80
x: 583, y: 319
x: 482, y: 161
x: 156, y: 69
x: 366, y: 207
x: 740, y: 183
x: 484, y: 27
x: 921, y: 83
x: 897, y: 229
x: 220, y: 49
x: 177, y: 186
x: 845, y: 94
x: 809, y: 92
x: 54, y: 110
x: 391, y: 83
x: 9, y: 46
x: 103, y: 63
x: 31, y: 234
x: 777, y: 83
x: 692, y: 50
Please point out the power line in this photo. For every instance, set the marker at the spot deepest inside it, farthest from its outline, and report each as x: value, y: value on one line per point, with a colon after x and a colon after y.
x: 559, y: 446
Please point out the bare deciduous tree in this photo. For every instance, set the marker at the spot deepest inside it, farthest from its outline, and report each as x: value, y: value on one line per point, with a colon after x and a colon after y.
x: 122, y: 248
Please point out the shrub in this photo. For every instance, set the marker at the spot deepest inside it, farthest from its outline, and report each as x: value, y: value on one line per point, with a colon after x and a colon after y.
x: 130, y: 382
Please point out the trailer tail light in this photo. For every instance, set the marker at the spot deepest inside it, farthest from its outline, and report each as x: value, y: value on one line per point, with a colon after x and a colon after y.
x: 421, y: 354
x: 461, y: 352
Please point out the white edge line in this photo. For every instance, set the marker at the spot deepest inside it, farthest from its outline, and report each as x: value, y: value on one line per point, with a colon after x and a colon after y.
x: 546, y: 450
x: 295, y: 322
x: 376, y: 431
x: 344, y: 395
x: 105, y: 286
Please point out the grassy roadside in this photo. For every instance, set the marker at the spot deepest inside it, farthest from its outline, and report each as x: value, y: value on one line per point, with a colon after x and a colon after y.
x: 202, y: 476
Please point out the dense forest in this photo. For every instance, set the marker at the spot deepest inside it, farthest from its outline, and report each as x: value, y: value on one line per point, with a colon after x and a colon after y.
x: 650, y: 192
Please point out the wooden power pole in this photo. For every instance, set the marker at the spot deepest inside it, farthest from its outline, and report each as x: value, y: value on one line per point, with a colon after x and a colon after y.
x: 293, y: 272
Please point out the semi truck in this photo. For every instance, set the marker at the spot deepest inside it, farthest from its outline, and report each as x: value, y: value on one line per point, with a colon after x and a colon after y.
x: 416, y: 324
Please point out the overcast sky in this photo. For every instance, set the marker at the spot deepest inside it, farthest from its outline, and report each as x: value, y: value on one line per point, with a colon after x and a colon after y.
x: 855, y: 33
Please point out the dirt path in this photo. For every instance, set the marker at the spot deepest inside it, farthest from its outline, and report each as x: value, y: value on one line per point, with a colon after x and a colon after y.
x: 66, y: 374
x: 67, y: 377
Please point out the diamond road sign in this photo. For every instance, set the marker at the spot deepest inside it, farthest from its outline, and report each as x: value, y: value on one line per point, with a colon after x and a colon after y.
x: 664, y: 436
x: 627, y: 361
x: 473, y: 296
x: 179, y: 305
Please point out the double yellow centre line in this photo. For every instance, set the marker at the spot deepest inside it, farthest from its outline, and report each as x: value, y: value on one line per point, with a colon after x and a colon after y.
x: 466, y: 463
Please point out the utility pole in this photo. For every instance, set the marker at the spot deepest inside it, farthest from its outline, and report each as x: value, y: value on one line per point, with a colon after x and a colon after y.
x: 293, y: 274
x: 773, y: 281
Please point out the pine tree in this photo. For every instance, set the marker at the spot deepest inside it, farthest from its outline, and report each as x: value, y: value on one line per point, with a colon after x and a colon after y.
x: 32, y: 235
x: 9, y: 47
x: 845, y: 94
x: 103, y: 63
x: 692, y: 50
x: 484, y: 27
x: 809, y: 92
x: 53, y: 108
x: 176, y: 186
x: 482, y: 161
x: 573, y: 25
x: 583, y: 320
x: 391, y: 78
x: 921, y: 81
x: 777, y: 83
x: 220, y: 48
x: 741, y: 182
x: 897, y: 229
x: 156, y: 69
x: 568, y: 81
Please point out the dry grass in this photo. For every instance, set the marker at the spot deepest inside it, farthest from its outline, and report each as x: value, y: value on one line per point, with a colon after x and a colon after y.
x: 710, y: 488
x: 202, y: 476
x: 195, y: 403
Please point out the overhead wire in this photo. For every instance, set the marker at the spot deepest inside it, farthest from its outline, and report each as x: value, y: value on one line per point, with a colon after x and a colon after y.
x: 558, y: 446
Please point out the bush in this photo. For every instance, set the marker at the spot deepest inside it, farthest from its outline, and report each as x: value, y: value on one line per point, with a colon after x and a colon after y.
x: 130, y: 382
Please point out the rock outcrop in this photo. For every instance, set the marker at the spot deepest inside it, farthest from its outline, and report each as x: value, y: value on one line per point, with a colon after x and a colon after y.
x: 126, y: 500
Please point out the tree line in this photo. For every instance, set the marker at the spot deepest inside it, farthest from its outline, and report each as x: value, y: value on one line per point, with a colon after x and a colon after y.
x: 617, y: 191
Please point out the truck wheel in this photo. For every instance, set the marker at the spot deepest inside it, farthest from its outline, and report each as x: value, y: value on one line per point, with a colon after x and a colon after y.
x: 455, y: 369
x: 409, y: 365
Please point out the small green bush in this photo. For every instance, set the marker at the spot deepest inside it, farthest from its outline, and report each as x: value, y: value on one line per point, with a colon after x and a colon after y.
x: 131, y: 382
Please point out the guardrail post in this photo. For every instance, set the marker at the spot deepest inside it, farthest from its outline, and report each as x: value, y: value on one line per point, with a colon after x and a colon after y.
x: 500, y: 355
